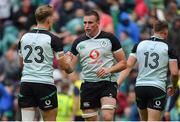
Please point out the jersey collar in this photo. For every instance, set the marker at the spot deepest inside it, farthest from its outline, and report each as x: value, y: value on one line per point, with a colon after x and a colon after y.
x: 36, y: 28
x: 156, y: 38
x: 94, y: 36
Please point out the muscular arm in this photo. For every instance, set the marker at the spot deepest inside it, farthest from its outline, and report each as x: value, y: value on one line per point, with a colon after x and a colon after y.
x: 173, y: 67
x: 121, y: 62
x: 130, y: 64
x: 21, y: 62
x: 63, y: 63
x: 119, y: 66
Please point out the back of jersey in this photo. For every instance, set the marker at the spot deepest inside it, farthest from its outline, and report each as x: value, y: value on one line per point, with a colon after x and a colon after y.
x: 152, y: 57
x: 36, y: 48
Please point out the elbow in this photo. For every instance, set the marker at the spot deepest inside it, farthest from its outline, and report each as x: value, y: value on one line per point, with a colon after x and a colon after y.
x: 68, y: 71
x: 124, y: 65
x: 175, y: 73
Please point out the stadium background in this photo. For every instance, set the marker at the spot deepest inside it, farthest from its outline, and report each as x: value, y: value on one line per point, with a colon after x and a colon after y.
x: 130, y: 20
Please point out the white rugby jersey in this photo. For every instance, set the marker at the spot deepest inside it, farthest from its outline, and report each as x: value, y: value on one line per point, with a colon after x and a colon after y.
x: 37, y: 49
x: 95, y: 53
x: 153, y: 57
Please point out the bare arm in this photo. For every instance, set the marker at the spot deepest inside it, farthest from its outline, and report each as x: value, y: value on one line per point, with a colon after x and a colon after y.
x: 67, y: 62
x: 173, y: 67
x: 75, y: 106
x: 121, y: 62
x: 130, y: 64
x: 21, y: 62
x: 119, y: 66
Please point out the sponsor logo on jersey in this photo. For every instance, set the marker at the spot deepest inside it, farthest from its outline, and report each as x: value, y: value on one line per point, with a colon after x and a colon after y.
x: 94, y: 55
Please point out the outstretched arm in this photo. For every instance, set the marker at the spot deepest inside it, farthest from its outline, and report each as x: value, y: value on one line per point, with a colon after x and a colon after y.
x: 130, y: 64
x: 64, y: 62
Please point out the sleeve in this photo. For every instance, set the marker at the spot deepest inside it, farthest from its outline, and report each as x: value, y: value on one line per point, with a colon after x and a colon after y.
x: 133, y: 51
x: 172, y: 54
x: 19, y: 48
x: 73, y: 48
x: 56, y: 44
x: 115, y: 43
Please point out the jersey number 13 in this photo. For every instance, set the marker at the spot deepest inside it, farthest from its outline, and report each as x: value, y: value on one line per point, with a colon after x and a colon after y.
x: 151, y: 60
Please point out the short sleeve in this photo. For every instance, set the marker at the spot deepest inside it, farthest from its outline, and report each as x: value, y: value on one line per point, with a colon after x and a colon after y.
x: 73, y: 48
x: 172, y: 54
x: 56, y: 44
x: 134, y: 49
x: 115, y: 43
x: 19, y: 48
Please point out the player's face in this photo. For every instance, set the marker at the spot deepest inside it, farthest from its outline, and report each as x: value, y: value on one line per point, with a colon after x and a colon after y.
x: 91, y: 25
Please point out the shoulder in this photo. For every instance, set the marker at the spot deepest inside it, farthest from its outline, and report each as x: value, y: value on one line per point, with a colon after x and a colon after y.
x: 104, y: 34
x: 80, y: 38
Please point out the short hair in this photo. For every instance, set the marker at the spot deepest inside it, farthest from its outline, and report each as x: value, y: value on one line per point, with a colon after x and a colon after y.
x: 43, y: 12
x: 160, y: 25
x: 94, y: 13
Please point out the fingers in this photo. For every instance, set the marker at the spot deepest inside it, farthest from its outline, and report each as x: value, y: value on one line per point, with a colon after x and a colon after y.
x: 69, y: 57
x: 101, y: 72
x: 170, y: 92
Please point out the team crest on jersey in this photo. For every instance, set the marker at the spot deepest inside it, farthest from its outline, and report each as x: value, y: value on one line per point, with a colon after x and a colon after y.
x: 104, y: 43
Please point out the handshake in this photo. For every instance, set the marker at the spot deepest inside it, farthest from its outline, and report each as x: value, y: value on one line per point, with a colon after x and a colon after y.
x: 68, y: 57
x: 65, y: 62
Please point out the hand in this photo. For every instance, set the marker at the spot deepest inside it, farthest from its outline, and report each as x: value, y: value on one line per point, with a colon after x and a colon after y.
x: 68, y: 57
x: 170, y: 91
x: 102, y: 72
x: 167, y: 116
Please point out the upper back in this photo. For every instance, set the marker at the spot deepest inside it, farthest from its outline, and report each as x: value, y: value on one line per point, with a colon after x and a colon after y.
x: 152, y: 56
x: 37, y: 49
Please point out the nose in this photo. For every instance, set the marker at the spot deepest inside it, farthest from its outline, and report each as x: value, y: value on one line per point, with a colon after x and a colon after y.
x: 86, y: 25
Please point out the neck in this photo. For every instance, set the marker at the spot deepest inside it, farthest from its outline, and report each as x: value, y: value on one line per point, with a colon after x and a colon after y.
x: 43, y: 26
x: 94, y: 33
x: 159, y: 35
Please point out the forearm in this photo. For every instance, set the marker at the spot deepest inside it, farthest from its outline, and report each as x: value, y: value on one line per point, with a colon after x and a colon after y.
x: 118, y: 67
x: 64, y: 65
x: 174, y: 79
x: 123, y: 75
x: 75, y: 107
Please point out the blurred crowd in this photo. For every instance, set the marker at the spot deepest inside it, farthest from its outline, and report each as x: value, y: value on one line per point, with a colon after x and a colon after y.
x: 129, y: 20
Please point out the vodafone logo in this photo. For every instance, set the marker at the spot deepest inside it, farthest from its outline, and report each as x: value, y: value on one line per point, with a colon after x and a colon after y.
x: 94, y: 54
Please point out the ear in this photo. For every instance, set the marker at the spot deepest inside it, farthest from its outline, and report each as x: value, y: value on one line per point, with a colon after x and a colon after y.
x: 48, y: 20
x: 98, y: 22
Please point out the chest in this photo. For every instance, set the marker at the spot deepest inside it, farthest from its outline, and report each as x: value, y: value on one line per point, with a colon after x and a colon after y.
x: 94, y: 47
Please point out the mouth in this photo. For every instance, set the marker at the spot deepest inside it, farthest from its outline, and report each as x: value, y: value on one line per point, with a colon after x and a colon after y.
x: 88, y: 30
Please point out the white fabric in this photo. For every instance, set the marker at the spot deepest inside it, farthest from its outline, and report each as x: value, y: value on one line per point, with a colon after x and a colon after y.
x: 27, y: 115
x: 87, y: 115
x: 108, y: 107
